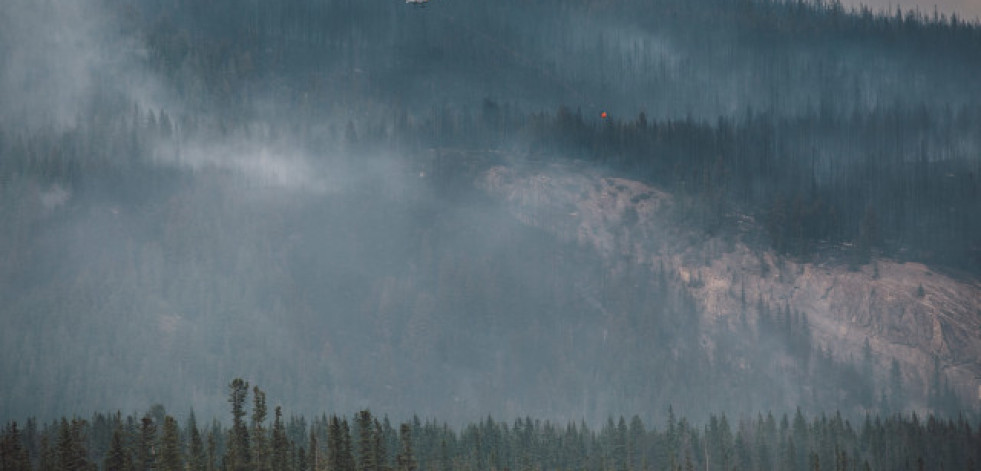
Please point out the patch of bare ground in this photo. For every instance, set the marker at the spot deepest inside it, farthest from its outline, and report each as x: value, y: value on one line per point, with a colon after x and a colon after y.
x: 907, y: 311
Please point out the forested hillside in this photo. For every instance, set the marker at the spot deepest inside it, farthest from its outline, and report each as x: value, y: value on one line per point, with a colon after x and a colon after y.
x: 285, y: 190
x: 829, y: 126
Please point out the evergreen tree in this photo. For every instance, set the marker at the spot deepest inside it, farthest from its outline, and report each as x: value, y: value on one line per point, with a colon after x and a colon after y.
x: 302, y: 463
x: 378, y: 447
x: 170, y: 446
x: 406, y: 460
x: 146, y: 458
x: 212, y: 464
x: 313, y: 456
x: 13, y: 454
x: 788, y: 455
x: 260, y: 445
x: 347, y: 462
x: 196, y: 459
x: 366, y: 442
x: 339, y: 454
x: 718, y: 438
x: 744, y: 456
x: 238, y: 456
x: 49, y: 459
x: 280, y: 443
x: 72, y: 453
x: 334, y: 444
x: 117, y: 459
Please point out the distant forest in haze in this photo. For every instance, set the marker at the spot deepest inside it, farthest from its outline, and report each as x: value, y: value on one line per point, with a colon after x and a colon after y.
x: 257, y: 441
x: 292, y: 200
x: 831, y: 128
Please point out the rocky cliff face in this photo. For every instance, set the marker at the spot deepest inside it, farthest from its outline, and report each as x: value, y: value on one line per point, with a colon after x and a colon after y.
x: 907, y: 311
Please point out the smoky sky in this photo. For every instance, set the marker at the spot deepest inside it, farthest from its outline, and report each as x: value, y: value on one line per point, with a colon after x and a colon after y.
x: 335, y: 275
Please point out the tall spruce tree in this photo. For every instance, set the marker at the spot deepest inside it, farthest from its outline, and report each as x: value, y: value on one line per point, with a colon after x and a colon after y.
x: 378, y: 447
x: 238, y: 457
x: 196, y: 459
x: 146, y: 452
x: 48, y: 459
x: 313, y: 456
x: 117, y: 456
x: 170, y: 446
x: 72, y: 454
x: 13, y: 454
x: 280, y: 442
x: 334, y: 443
x: 302, y: 463
x: 260, y: 443
x: 346, y: 456
x: 366, y: 442
x: 212, y: 464
x: 406, y: 460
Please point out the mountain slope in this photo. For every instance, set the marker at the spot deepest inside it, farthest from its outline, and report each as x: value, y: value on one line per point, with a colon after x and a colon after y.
x: 906, y: 311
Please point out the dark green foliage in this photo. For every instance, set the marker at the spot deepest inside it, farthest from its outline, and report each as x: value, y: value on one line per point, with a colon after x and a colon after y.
x: 72, y: 452
x: 146, y: 455
x: 196, y: 458
x: 379, y: 449
x: 314, y: 457
x: 280, y: 443
x: 820, y: 220
x: 302, y: 463
x: 260, y: 443
x: 767, y: 442
x: 48, y: 460
x: 339, y: 454
x: 406, y: 460
x: 212, y: 463
x: 367, y: 457
x: 170, y: 446
x: 334, y: 444
x: 13, y: 453
x: 118, y: 457
x: 239, y: 454
x: 347, y: 461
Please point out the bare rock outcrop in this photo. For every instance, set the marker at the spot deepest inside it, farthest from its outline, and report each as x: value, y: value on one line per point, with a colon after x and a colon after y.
x: 907, y: 311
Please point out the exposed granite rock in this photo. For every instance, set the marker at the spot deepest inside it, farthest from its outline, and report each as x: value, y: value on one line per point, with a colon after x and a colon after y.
x: 907, y: 311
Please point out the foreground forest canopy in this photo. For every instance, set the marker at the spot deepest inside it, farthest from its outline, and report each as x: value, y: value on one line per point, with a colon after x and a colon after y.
x: 285, y: 190
x: 366, y: 442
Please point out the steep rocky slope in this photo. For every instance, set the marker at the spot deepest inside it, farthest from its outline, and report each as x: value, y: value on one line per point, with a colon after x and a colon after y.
x: 907, y: 311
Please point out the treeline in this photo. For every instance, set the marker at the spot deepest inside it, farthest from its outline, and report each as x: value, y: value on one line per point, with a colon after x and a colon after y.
x: 895, y: 181
x: 366, y: 442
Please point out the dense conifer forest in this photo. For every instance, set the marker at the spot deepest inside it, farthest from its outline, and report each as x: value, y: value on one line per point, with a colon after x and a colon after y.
x: 286, y: 188
x: 834, y: 128
x: 261, y: 440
